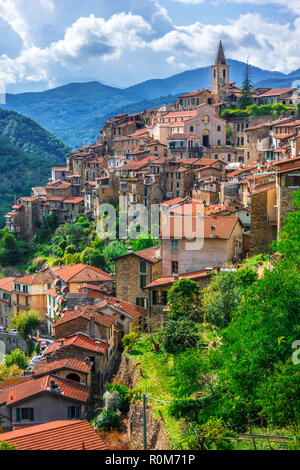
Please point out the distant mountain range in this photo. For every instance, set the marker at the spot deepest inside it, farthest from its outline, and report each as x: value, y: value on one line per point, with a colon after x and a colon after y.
x: 76, y: 112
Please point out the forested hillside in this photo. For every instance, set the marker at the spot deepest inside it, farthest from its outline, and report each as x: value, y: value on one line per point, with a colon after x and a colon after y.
x: 29, y: 136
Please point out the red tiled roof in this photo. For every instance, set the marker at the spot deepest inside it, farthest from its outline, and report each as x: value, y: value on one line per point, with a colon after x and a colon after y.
x: 73, y: 200
x: 7, y: 284
x: 45, y: 277
x: 174, y: 114
x: 183, y: 227
x: 74, y: 363
x: 172, y: 202
x: 57, y: 435
x: 137, y: 165
x: 82, y: 273
x: 128, y: 309
x: 194, y: 93
x: 277, y: 91
x: 14, y: 381
x: 263, y: 188
x: 164, y: 281
x: 88, y: 312
x: 79, y: 341
x: 188, y: 209
x: 22, y: 391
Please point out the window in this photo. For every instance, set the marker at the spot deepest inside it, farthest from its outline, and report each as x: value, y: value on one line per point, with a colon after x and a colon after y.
x: 219, y: 128
x: 229, y: 157
x: 174, y: 267
x: 143, y: 282
x: 143, y: 267
x: 191, y: 128
x: 219, y: 142
x: 24, y: 414
x: 293, y: 181
x: 74, y: 412
x: 174, y: 245
x: 164, y: 297
x: 154, y: 297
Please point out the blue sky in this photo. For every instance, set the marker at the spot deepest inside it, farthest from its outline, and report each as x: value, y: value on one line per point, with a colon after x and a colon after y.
x: 45, y: 43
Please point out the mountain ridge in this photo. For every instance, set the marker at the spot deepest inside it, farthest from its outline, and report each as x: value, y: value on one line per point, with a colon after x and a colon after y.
x: 75, y: 112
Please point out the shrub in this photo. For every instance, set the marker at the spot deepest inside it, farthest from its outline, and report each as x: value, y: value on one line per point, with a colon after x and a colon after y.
x: 113, y: 400
x: 106, y: 420
x: 130, y: 340
x: 17, y: 358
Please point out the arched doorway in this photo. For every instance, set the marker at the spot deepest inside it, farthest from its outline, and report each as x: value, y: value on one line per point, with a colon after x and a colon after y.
x: 73, y: 377
x: 205, y: 138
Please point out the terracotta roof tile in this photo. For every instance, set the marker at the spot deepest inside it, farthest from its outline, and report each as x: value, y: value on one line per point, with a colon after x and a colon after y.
x: 89, y: 313
x: 215, y: 227
x: 78, y: 341
x: 74, y: 363
x: 164, y: 281
x: 7, y: 284
x: 124, y: 307
x: 22, y: 391
x: 57, y: 435
x: 82, y: 273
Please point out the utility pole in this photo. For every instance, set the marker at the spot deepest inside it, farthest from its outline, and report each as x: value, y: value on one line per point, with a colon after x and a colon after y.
x: 145, y: 420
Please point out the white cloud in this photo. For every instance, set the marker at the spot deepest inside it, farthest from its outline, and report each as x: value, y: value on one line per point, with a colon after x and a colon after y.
x: 272, y: 46
x: 87, y: 38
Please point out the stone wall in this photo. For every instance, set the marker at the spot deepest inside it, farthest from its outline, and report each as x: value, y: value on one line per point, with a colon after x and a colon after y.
x: 262, y: 232
x: 12, y: 342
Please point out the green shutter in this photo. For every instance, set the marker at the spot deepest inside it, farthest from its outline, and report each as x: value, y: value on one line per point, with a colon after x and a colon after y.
x: 69, y: 412
x: 78, y: 412
x: 31, y: 414
x: 18, y: 414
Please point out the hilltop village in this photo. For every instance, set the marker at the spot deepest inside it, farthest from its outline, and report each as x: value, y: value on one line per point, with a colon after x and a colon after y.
x: 241, y: 167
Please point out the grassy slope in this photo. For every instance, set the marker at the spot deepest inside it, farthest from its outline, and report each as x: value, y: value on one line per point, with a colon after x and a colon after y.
x: 158, y: 372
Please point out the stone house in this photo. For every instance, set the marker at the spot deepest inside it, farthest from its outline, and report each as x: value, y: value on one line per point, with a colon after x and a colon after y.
x: 287, y: 182
x: 127, y: 314
x: 158, y: 293
x: 70, y: 208
x: 263, y: 218
x: 6, y: 301
x: 76, y: 277
x: 134, y: 271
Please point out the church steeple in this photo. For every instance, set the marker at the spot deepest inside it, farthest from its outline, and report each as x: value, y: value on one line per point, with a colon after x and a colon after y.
x: 220, y: 76
x: 220, y: 58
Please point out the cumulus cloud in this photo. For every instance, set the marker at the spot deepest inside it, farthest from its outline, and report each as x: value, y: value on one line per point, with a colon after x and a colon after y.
x: 269, y: 45
x: 133, y: 40
x: 87, y: 38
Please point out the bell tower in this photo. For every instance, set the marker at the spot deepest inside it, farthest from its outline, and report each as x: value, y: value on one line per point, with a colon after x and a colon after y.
x: 220, y: 76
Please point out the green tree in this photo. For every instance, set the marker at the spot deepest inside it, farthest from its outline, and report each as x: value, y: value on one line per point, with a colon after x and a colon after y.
x: 95, y: 258
x: 184, y: 300
x: 180, y: 335
x: 246, y: 98
x: 224, y: 294
x: 26, y: 324
x: 17, y: 358
x: 7, y: 446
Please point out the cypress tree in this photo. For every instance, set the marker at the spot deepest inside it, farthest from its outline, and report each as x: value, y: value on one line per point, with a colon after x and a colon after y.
x: 246, y: 98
